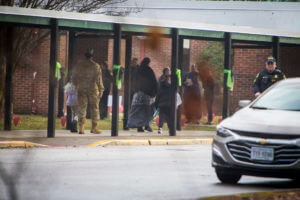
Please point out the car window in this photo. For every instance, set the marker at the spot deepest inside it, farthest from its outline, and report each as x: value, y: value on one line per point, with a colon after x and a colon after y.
x: 280, y: 98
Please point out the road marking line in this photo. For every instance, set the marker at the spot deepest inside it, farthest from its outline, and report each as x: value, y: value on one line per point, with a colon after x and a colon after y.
x: 153, y: 141
x: 100, y: 143
x: 17, y: 143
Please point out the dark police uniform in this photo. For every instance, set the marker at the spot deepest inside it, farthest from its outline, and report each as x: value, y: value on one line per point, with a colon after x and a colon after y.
x: 264, y: 79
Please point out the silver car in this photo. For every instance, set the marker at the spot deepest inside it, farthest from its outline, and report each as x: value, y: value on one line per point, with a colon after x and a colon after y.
x: 262, y: 138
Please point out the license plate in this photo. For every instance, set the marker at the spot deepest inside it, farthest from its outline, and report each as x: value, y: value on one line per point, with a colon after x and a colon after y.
x: 261, y: 153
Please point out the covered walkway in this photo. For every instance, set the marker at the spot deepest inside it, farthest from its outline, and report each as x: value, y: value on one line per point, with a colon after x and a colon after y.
x: 126, y: 27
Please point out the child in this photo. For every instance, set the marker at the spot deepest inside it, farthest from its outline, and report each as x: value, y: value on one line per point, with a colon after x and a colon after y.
x: 162, y: 101
x: 72, y: 101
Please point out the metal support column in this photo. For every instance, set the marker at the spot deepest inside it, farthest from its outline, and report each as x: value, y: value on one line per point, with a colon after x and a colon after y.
x: 227, y: 66
x: 127, y: 86
x: 116, y: 61
x: 180, y: 58
x: 52, y: 79
x: 8, y: 79
x: 174, y: 81
x: 276, y: 49
x: 71, y: 50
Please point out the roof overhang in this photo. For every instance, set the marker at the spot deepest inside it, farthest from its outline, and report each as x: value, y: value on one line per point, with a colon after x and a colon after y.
x: 41, y: 17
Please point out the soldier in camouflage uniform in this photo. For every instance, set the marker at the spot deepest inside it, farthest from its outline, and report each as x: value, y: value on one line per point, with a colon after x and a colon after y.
x: 87, y: 78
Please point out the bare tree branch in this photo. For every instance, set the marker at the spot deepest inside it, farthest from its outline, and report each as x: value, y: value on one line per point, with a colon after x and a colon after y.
x: 26, y: 40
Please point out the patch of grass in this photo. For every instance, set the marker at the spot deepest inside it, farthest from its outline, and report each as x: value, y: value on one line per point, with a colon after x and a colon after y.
x: 38, y: 122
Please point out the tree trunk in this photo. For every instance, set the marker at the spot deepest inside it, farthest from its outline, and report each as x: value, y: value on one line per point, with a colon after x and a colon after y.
x: 2, y: 70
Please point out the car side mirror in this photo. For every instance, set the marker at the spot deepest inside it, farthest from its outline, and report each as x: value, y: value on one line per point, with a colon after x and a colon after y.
x: 243, y: 103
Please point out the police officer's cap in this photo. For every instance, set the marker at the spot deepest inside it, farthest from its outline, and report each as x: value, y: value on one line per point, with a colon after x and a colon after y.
x: 89, y: 52
x: 270, y: 59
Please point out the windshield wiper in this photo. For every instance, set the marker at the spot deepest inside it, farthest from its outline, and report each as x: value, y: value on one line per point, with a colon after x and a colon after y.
x: 259, y: 107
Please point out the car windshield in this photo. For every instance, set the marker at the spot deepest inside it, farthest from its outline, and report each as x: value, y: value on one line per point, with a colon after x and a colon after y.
x: 286, y: 97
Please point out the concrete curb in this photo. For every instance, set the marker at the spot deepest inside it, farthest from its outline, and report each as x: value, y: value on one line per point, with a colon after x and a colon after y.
x: 19, y: 144
x: 152, y: 141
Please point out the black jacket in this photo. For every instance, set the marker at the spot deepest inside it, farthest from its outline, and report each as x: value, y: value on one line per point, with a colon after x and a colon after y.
x: 106, y: 79
x: 264, y: 79
x: 163, y: 97
x: 146, y: 81
x: 133, y: 78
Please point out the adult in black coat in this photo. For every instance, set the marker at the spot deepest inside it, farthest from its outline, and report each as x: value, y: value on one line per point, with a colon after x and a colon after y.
x: 141, y: 112
x: 107, y: 80
x: 133, y: 76
x: 146, y: 80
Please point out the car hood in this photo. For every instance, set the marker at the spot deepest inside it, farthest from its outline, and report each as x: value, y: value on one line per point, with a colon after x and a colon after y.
x: 266, y: 121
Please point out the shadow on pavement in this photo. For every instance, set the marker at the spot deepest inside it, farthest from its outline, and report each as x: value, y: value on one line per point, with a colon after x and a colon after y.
x: 10, y: 176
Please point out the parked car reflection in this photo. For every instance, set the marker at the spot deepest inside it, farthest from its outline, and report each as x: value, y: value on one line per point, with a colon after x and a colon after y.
x: 263, y: 138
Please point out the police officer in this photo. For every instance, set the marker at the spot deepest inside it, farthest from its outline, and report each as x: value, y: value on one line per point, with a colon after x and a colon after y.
x: 87, y: 78
x: 267, y: 77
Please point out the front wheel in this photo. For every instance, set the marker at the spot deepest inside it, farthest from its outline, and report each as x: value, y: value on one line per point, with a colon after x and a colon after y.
x: 228, y: 177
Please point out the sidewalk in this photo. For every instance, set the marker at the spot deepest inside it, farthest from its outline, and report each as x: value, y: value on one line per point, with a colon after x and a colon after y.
x: 64, y: 138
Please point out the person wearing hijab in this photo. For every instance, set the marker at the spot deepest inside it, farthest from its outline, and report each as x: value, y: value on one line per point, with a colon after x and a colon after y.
x: 142, y: 109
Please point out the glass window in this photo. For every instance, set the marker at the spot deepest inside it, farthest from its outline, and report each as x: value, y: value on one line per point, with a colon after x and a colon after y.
x: 286, y: 97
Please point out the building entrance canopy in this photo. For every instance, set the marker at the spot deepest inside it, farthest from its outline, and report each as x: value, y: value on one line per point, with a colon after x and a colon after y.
x: 226, y: 32
x: 286, y: 28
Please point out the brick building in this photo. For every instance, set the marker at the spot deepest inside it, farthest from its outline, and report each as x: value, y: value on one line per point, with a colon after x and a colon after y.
x: 246, y: 63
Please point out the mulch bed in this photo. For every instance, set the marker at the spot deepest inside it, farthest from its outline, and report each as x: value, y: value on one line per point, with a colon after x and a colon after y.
x: 287, y: 195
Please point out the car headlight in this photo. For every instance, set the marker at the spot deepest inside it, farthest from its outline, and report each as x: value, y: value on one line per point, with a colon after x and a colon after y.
x: 222, y: 132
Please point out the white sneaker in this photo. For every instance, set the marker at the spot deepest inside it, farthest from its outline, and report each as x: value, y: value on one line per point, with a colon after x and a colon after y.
x: 159, y: 130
